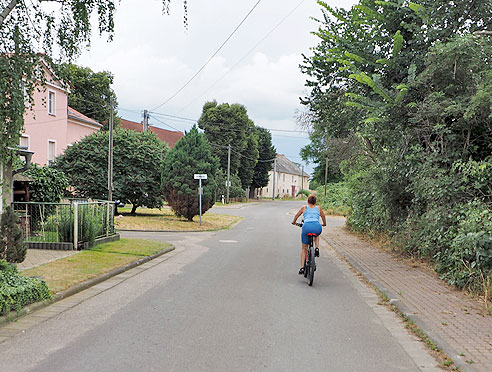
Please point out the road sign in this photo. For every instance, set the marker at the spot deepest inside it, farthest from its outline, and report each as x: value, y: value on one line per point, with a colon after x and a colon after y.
x: 199, y: 176
x: 228, y: 183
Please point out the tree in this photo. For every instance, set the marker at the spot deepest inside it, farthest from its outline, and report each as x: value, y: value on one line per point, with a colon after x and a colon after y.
x: 416, y: 79
x: 267, y: 153
x: 48, y: 184
x: 137, y: 159
x: 12, y: 246
x: 90, y: 92
x: 26, y: 30
x: 226, y: 125
x: 190, y: 155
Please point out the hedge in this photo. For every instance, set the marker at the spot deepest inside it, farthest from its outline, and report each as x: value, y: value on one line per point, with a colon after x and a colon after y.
x: 17, y: 291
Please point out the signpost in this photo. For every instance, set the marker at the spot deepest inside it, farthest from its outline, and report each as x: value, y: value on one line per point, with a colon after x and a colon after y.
x: 200, y: 177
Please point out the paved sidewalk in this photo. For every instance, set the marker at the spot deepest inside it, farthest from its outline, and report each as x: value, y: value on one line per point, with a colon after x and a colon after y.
x: 36, y: 257
x: 456, y: 322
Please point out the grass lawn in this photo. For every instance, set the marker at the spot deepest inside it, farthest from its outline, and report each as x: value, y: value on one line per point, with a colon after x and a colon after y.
x: 69, y: 271
x: 164, y: 219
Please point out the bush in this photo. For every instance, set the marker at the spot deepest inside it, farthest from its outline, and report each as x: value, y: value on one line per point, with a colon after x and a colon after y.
x: 337, y: 198
x: 48, y: 184
x: 17, y: 291
x: 90, y: 224
x: 306, y: 193
x: 12, y: 246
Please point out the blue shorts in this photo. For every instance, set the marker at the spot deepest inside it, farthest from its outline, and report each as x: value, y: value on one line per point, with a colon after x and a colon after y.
x: 310, y: 228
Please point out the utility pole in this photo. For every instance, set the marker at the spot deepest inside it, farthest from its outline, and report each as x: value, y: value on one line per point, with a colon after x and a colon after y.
x: 110, y: 152
x: 228, y: 172
x: 326, y: 173
x: 146, y: 121
x: 274, y: 173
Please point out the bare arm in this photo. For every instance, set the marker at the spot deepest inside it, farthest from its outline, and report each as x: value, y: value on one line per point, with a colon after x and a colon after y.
x: 299, y: 212
x: 322, y: 214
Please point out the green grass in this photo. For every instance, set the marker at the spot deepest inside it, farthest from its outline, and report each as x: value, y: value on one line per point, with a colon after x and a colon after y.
x: 153, y: 219
x: 69, y: 271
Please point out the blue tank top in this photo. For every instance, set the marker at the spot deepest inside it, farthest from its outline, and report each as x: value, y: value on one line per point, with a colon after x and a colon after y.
x: 311, y: 214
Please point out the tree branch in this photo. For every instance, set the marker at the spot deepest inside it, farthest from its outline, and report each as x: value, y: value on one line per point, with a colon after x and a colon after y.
x: 7, y: 10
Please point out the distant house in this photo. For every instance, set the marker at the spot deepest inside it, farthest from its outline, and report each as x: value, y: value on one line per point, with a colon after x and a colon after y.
x: 289, y: 179
x: 51, y: 126
x: 168, y: 136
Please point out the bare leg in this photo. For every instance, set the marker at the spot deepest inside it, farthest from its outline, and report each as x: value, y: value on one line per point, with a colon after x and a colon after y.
x: 303, y: 254
x: 316, y: 242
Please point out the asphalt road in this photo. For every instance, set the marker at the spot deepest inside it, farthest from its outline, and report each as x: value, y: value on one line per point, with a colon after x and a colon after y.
x: 225, y: 301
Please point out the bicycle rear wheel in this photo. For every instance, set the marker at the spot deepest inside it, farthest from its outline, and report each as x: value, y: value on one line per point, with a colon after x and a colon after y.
x: 311, y: 267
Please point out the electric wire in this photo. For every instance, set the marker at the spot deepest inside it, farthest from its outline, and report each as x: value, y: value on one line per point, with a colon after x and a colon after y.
x: 242, y: 58
x: 210, y: 59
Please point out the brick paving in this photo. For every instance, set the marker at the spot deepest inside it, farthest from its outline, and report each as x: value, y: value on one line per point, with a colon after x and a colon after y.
x: 36, y: 257
x: 446, y: 314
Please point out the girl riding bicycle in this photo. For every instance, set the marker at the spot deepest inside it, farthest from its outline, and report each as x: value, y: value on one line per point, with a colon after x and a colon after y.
x: 312, y: 213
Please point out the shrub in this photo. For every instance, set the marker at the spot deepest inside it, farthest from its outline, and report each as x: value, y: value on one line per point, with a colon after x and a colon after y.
x: 303, y: 192
x: 17, y: 291
x: 12, y: 246
x: 48, y: 184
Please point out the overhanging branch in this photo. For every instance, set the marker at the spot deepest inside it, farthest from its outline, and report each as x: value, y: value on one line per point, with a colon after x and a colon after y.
x: 7, y: 10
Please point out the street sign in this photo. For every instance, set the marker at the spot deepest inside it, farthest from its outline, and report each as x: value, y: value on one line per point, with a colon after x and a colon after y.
x: 199, y: 176
x: 228, y: 183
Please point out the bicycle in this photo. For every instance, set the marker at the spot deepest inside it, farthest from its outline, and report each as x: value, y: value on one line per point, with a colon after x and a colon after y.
x: 309, y: 262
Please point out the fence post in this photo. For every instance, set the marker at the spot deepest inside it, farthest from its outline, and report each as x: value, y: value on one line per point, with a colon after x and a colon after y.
x: 75, y: 225
x: 107, y: 219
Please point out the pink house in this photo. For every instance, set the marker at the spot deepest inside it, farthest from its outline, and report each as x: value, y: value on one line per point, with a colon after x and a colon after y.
x: 51, y: 126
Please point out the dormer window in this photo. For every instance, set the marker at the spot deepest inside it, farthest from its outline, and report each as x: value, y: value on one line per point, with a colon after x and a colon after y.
x: 51, y: 103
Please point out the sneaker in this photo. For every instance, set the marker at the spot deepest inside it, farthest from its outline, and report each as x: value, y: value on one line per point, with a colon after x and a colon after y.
x: 316, y: 252
x: 301, y: 271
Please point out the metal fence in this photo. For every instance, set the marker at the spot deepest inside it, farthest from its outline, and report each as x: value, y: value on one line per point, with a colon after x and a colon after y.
x: 73, y: 222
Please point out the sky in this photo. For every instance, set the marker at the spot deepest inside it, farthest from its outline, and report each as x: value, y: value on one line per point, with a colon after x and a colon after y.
x: 153, y: 55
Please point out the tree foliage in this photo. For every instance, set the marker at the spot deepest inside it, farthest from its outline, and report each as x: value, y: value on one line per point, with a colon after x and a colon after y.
x: 137, y: 159
x: 90, y: 92
x: 48, y: 184
x: 28, y: 31
x: 267, y: 153
x: 226, y: 125
x: 191, y: 154
x: 12, y: 246
x: 411, y: 82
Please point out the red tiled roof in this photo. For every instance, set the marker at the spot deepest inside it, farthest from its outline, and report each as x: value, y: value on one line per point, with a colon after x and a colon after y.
x: 75, y: 115
x: 168, y: 136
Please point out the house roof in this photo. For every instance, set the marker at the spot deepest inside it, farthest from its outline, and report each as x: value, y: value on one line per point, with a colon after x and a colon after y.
x: 284, y: 165
x: 75, y: 115
x: 168, y: 136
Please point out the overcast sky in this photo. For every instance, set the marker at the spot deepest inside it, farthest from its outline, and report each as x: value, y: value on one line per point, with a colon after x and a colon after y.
x: 152, y: 56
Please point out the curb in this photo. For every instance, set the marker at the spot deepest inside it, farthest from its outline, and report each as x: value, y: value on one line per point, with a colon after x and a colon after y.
x: 394, y: 300
x: 80, y: 287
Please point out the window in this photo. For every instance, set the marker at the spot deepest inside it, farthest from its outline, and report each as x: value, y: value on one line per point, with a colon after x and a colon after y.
x: 51, y: 150
x: 24, y: 142
x: 51, y: 103
x: 292, y: 178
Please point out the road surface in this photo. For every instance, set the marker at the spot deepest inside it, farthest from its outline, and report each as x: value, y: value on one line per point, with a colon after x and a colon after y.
x: 225, y: 301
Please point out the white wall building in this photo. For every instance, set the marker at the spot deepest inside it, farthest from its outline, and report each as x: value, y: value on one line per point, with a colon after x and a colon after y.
x: 289, y: 179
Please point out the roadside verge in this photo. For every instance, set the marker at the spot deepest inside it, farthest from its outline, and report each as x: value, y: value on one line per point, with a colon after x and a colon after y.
x: 12, y: 316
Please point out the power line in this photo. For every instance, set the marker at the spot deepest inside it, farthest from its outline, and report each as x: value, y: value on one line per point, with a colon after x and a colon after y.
x: 170, y: 126
x: 238, y: 130
x: 208, y: 61
x: 243, y: 57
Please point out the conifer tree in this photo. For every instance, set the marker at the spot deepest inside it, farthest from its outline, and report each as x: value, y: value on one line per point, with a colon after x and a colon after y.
x: 12, y: 246
x: 190, y: 155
